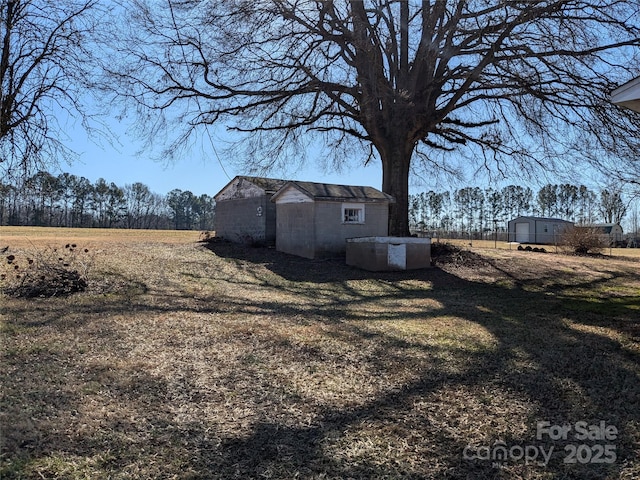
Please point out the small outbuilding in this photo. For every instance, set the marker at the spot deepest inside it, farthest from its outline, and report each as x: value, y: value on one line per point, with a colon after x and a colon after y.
x: 314, y: 220
x: 244, y: 211
x: 540, y: 230
x: 610, y: 233
x: 628, y: 95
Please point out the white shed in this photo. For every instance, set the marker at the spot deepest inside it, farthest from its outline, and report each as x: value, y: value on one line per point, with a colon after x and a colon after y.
x: 611, y: 232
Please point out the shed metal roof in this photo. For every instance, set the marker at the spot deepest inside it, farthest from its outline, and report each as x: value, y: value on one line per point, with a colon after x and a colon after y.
x: 268, y: 185
x: 604, y: 227
x: 328, y: 191
x: 543, y: 219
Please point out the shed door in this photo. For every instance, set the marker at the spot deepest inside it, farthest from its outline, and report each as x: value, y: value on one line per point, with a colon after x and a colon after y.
x: 397, y: 256
x: 522, y: 232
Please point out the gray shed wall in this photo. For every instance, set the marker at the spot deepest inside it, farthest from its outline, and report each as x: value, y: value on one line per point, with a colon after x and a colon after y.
x: 315, y: 229
x: 237, y: 220
x: 331, y: 233
x: 294, y: 229
x: 270, y: 220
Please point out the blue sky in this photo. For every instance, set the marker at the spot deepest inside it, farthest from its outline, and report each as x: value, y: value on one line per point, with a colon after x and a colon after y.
x: 198, y: 171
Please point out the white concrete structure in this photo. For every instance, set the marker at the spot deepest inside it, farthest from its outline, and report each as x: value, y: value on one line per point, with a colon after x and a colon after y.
x: 389, y: 253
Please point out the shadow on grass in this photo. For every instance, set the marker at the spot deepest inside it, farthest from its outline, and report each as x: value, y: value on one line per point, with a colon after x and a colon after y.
x: 544, y: 354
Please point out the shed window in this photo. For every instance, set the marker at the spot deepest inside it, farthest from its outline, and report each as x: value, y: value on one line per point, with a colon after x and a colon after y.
x: 352, y: 213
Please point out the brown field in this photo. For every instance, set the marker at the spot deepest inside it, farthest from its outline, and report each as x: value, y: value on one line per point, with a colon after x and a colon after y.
x: 613, y: 252
x: 27, y: 236
x: 212, y: 361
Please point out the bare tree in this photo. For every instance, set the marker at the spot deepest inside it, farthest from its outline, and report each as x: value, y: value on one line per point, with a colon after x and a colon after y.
x: 45, y: 56
x: 612, y: 205
x: 488, y: 83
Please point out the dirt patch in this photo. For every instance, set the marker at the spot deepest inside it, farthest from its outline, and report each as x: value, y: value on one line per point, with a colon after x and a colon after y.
x: 447, y: 255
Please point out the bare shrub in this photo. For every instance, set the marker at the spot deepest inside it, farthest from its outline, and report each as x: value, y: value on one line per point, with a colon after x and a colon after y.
x: 50, y: 273
x: 583, y: 240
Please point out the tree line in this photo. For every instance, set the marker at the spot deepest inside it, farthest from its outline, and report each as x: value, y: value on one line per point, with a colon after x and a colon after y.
x: 68, y: 200
x: 478, y: 211
x: 438, y: 87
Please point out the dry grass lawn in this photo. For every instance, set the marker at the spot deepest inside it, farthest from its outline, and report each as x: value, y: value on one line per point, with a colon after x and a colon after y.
x: 210, y: 361
x: 613, y: 252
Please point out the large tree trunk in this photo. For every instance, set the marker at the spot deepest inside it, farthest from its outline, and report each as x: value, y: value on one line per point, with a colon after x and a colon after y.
x: 395, y: 182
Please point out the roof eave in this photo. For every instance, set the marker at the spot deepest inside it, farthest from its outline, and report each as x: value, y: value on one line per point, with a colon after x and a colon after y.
x: 627, y: 95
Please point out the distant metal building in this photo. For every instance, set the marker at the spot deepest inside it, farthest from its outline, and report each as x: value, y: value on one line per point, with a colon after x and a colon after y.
x: 540, y: 230
x: 315, y: 219
x: 244, y: 211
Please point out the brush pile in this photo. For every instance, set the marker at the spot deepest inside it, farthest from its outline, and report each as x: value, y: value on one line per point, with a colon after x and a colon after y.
x: 52, y: 273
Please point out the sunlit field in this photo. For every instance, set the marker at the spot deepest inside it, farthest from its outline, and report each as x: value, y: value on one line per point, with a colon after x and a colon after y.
x: 615, y: 252
x: 25, y: 236
x: 194, y: 360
